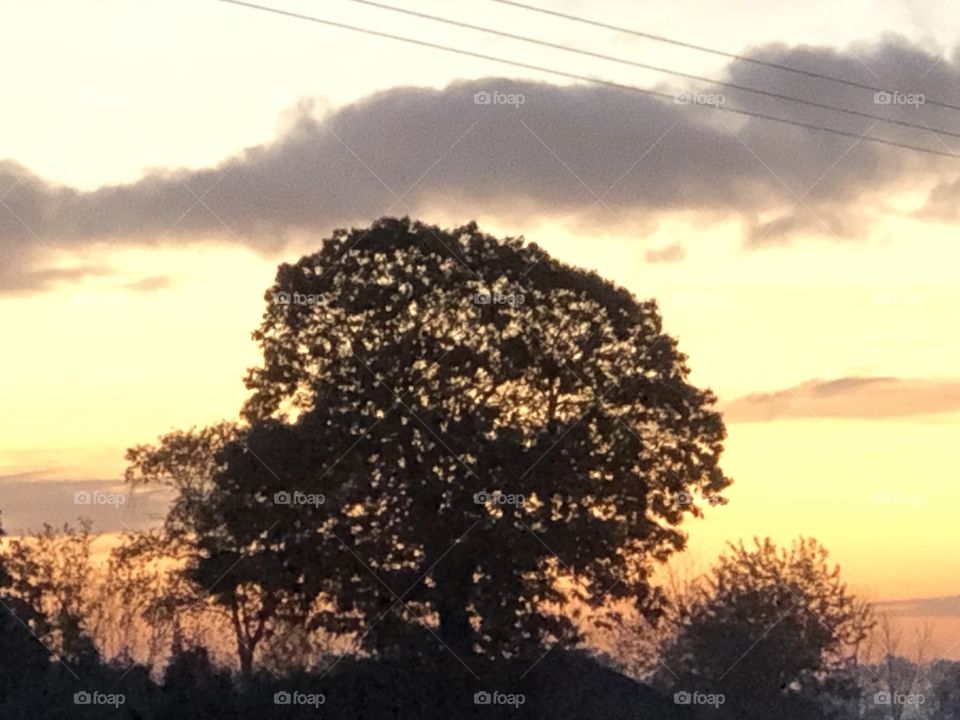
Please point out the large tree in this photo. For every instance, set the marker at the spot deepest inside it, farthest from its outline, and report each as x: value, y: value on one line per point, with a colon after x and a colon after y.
x: 411, y: 373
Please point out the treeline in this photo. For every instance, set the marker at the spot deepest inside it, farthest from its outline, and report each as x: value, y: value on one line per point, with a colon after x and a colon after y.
x: 767, y: 632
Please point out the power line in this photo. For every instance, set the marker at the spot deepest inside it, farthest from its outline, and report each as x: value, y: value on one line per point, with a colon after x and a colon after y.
x: 655, y: 68
x: 714, y: 51
x: 586, y: 78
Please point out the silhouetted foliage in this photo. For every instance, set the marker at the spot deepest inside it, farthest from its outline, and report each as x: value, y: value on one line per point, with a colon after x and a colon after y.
x: 773, y: 630
x: 50, y: 576
x: 945, y: 692
x: 388, y: 389
x: 187, y: 462
x: 23, y: 660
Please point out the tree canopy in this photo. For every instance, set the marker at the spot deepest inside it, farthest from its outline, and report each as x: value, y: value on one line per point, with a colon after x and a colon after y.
x: 478, y: 419
x: 773, y: 629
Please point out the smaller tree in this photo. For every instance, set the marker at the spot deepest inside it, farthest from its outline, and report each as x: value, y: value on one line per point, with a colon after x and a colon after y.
x: 194, y: 687
x: 205, y: 574
x: 774, y: 631
x: 51, y: 576
x: 133, y: 617
x: 22, y: 658
x: 945, y: 690
x: 636, y: 640
x: 901, y: 680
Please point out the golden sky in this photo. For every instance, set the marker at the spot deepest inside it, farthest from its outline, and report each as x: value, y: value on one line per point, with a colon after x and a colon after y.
x: 159, y: 338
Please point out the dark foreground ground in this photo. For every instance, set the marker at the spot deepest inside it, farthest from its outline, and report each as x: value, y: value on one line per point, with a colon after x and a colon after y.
x: 560, y: 686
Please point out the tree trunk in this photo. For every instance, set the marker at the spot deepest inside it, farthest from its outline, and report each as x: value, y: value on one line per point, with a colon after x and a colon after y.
x: 453, y: 583
x: 245, y: 648
x: 245, y: 655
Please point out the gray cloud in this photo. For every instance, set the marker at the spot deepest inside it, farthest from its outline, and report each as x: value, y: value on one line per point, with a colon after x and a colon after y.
x: 948, y: 606
x: 27, y: 503
x: 943, y: 203
x: 671, y: 253
x: 597, y: 157
x: 149, y: 284
x: 851, y: 397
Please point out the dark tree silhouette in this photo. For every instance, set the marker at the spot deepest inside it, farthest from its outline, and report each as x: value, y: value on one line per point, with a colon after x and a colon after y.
x: 22, y: 657
x: 187, y: 462
x: 774, y: 630
x: 945, y: 691
x: 51, y: 579
x: 410, y: 372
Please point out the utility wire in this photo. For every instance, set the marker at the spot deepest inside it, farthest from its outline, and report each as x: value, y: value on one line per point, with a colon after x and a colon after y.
x: 714, y: 51
x: 655, y: 68
x: 587, y: 78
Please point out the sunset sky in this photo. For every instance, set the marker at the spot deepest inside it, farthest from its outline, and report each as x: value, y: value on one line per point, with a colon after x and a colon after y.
x: 811, y: 279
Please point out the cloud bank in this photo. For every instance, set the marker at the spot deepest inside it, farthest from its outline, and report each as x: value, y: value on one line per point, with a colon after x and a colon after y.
x: 111, y: 505
x: 598, y: 158
x: 948, y: 606
x: 851, y: 397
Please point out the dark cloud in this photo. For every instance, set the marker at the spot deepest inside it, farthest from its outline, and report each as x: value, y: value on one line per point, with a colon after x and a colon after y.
x: 595, y: 157
x: 852, y: 397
